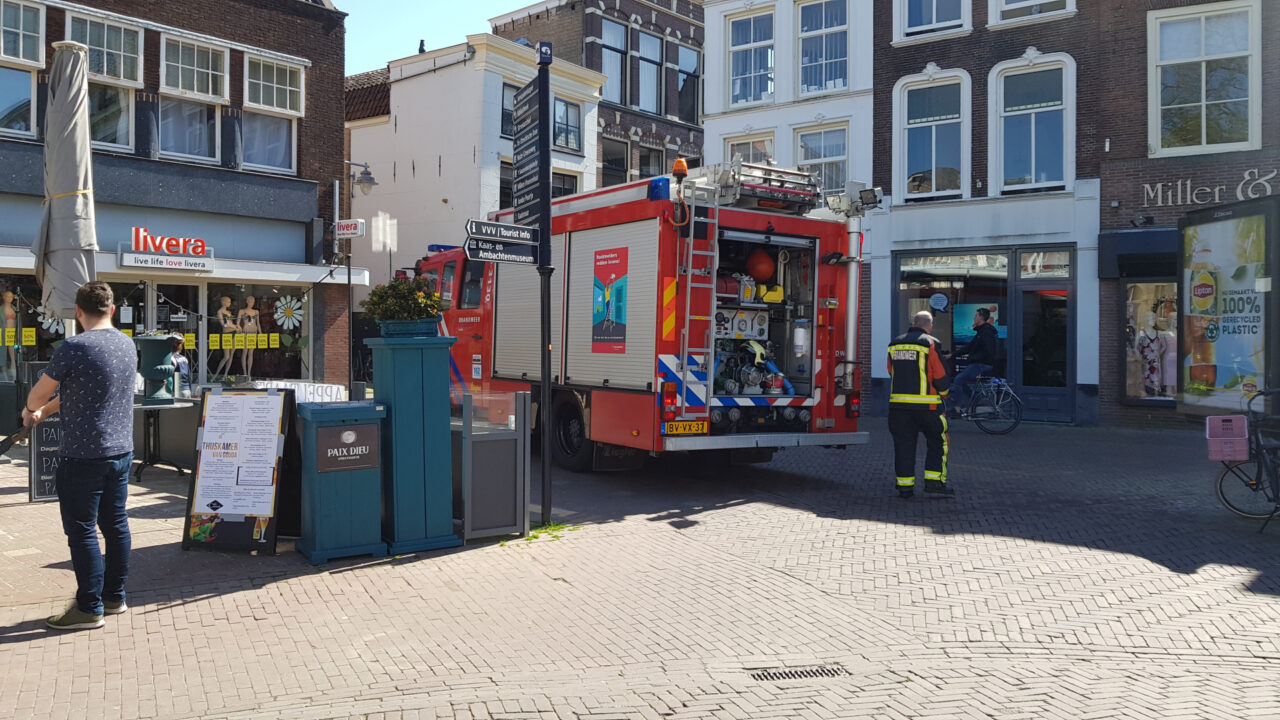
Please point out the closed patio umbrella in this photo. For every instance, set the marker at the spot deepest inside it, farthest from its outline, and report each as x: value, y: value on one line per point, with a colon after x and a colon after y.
x: 68, y: 238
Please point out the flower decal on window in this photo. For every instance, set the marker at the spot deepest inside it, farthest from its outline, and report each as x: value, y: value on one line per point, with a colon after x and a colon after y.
x: 289, y: 312
x: 48, y: 320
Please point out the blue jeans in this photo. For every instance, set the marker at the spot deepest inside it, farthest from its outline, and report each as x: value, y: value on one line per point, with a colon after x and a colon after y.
x: 92, y: 494
x: 961, y: 383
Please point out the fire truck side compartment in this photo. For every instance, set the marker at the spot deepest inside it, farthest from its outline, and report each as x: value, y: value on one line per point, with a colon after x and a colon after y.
x: 517, y: 321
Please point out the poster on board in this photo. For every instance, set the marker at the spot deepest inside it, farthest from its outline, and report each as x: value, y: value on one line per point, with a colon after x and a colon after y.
x: 609, y: 309
x: 232, y: 502
x: 46, y: 445
x: 1225, y: 301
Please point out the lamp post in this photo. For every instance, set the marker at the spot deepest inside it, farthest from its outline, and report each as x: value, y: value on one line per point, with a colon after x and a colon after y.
x: 365, y: 182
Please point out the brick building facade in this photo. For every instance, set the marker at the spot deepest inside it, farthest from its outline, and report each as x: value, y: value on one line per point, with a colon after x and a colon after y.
x: 986, y: 148
x: 1152, y: 176
x: 652, y: 51
x: 218, y: 120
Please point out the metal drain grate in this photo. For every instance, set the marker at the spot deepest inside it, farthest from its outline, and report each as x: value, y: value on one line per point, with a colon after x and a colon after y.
x: 799, y: 673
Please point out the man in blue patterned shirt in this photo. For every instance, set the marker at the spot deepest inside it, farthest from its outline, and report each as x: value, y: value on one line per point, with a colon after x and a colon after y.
x: 92, y: 374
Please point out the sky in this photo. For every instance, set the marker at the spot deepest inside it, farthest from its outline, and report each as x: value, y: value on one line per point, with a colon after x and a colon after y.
x: 383, y: 30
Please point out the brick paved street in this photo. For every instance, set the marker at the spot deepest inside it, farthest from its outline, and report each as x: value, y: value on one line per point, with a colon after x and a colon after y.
x: 1080, y: 573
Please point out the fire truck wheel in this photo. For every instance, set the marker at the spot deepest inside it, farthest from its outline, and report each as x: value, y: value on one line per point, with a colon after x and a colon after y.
x: 570, y: 447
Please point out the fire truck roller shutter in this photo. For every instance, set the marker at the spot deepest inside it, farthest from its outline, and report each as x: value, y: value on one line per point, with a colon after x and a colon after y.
x: 613, y: 305
x: 517, y: 319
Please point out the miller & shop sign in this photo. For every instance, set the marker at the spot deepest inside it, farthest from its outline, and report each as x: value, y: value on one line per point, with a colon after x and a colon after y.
x: 1254, y: 183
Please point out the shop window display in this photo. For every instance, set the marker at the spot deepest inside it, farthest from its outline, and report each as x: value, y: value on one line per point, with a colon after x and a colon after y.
x: 952, y: 287
x: 260, y: 332
x: 1151, y: 341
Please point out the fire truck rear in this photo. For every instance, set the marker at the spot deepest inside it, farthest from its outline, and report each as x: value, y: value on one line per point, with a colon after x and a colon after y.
x: 704, y: 313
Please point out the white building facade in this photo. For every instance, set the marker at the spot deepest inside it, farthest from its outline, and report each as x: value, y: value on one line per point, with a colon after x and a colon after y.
x: 442, y: 154
x: 790, y: 81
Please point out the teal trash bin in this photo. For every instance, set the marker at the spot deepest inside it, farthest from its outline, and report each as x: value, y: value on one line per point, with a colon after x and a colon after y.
x: 341, y: 480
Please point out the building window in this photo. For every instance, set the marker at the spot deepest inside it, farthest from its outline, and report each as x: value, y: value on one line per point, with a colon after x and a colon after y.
x: 1031, y: 125
x: 506, y: 178
x: 1003, y: 11
x: 931, y: 114
x: 928, y: 16
x: 615, y: 162
x: 613, y: 61
x: 968, y: 281
x: 649, y: 81
x: 508, y: 110
x: 281, y: 349
x: 110, y: 110
x: 752, y: 150
x: 16, y: 109
x: 690, y: 86
x: 188, y: 129
x: 568, y: 126
x: 825, y: 154
x: 22, y: 32
x: 652, y: 163
x: 115, y: 51
x: 1150, y: 341
x: 268, y: 142
x: 824, y: 46
x: 1205, y: 78
x: 193, y: 69
x: 751, y: 59
x: 273, y: 86
x: 562, y: 184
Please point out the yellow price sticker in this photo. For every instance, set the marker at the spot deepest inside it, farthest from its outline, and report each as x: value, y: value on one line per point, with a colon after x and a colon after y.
x: 215, y: 342
x: 262, y: 340
x: 28, y: 336
x: 189, y: 339
x: 239, y: 341
x: 10, y: 336
x: 251, y: 341
x: 127, y: 331
x: 274, y: 340
x: 228, y: 341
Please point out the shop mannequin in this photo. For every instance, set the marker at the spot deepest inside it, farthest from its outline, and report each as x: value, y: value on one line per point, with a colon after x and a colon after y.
x: 1169, y: 361
x: 228, y: 322
x: 10, y: 322
x: 1150, y: 348
x: 248, y: 319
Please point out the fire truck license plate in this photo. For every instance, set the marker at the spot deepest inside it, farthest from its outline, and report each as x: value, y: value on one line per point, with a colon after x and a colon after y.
x: 685, y: 427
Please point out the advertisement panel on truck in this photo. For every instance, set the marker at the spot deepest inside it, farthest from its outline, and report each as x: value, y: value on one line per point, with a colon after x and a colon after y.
x: 1227, y: 306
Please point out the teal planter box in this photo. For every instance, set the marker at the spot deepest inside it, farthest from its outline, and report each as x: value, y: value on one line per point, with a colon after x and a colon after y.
x: 411, y: 378
x: 341, y: 480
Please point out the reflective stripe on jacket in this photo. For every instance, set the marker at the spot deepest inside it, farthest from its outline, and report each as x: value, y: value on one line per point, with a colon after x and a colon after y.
x: 916, y: 373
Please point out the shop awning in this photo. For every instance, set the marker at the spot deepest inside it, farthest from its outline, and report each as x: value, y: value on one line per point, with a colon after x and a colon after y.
x: 20, y: 258
x: 1138, y: 252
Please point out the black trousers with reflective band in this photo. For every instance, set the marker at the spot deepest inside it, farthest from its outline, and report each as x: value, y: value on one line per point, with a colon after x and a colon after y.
x: 906, y: 423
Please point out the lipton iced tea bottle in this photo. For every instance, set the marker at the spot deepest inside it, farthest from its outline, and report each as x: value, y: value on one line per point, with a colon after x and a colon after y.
x: 1203, y: 320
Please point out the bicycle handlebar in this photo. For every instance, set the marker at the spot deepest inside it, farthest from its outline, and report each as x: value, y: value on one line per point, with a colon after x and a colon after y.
x: 1260, y: 393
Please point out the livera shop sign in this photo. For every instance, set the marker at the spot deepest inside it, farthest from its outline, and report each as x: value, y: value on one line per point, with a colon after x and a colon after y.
x: 163, y: 252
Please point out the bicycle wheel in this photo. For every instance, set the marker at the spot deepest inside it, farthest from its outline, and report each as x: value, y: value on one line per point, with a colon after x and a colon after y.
x: 996, y: 413
x: 1244, y: 491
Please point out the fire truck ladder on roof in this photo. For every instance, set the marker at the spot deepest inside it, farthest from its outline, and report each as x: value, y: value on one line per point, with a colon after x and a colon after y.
x: 699, y: 270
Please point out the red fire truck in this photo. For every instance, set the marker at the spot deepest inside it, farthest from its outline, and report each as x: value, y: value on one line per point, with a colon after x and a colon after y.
x: 704, y: 313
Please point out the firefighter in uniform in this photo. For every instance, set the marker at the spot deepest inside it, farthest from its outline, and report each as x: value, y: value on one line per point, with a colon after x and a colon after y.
x: 918, y: 383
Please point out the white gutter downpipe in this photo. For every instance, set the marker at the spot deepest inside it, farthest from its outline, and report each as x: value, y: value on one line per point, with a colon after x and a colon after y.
x: 853, y: 300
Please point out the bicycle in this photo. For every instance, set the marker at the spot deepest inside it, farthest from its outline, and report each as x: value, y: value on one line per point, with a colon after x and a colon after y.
x: 1251, y: 488
x: 993, y: 405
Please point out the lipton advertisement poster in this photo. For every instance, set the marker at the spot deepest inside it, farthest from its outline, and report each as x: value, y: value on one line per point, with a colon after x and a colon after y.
x: 1224, y: 291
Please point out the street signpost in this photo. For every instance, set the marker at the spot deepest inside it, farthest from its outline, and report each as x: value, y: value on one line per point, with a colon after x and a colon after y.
x: 505, y: 252
x: 501, y: 232
x: 531, y: 192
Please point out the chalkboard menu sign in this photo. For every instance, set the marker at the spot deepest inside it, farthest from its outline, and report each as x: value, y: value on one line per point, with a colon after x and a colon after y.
x: 232, y: 501
x: 45, y: 444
